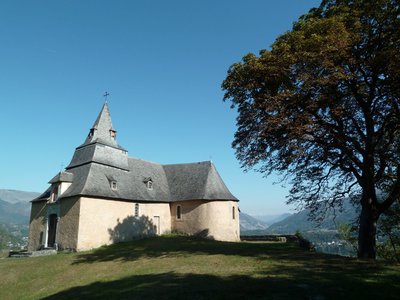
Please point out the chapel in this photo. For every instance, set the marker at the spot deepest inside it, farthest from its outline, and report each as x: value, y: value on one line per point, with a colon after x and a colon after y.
x: 104, y: 196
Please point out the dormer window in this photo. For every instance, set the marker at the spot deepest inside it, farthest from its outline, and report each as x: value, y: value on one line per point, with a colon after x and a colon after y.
x: 149, y: 183
x: 113, y: 185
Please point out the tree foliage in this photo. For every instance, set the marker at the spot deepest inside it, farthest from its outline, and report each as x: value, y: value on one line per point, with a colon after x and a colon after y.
x: 389, y: 231
x: 322, y: 107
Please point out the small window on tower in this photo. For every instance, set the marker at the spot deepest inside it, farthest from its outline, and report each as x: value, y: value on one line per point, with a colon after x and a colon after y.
x: 233, y: 212
x: 149, y: 184
x: 113, y: 185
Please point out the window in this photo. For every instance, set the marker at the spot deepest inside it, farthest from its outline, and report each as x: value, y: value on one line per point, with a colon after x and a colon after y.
x: 137, y: 210
x: 113, y: 185
x: 233, y: 212
x: 178, y: 212
x: 54, y: 194
x: 149, y: 184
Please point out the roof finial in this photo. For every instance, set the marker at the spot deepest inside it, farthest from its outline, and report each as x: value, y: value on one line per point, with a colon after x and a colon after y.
x: 106, y: 94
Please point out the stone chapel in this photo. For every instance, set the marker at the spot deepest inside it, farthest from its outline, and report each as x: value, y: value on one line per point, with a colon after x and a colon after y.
x: 104, y: 196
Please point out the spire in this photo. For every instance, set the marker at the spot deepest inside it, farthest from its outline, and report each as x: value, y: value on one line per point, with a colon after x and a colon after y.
x: 102, y: 130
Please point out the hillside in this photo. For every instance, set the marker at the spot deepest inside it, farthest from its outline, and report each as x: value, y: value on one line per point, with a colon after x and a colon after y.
x: 14, y: 218
x: 249, y: 223
x: 14, y: 196
x: 271, y: 219
x: 14, y: 213
x: 177, y: 267
x: 300, y: 221
x: 15, y: 206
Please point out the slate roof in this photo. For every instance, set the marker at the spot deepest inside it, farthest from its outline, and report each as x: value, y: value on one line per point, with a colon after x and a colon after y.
x: 44, y: 196
x: 100, y: 131
x: 196, y: 181
x: 100, y: 161
x: 62, y: 177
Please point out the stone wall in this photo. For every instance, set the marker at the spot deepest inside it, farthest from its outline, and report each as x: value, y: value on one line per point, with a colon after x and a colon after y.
x: 105, y: 221
x: 37, y: 225
x: 68, y: 225
x: 212, y: 219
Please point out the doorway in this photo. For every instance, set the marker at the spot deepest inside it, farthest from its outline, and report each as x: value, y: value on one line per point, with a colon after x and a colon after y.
x: 156, y: 222
x: 52, y: 230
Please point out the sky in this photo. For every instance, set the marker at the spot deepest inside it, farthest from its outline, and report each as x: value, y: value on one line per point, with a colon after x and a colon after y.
x: 162, y: 62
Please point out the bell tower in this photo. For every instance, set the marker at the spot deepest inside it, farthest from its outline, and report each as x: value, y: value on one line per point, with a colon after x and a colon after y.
x: 101, y: 145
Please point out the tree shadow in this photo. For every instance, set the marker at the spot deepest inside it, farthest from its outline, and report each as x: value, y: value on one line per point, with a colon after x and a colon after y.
x: 297, y: 284
x: 181, y: 286
x: 132, y: 228
x: 286, y: 264
x: 178, y: 245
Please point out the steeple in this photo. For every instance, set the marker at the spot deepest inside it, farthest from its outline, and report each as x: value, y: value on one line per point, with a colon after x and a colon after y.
x: 102, y: 130
x: 100, y: 145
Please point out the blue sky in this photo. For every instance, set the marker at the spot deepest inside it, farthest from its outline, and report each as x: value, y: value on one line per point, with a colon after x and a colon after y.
x: 162, y: 62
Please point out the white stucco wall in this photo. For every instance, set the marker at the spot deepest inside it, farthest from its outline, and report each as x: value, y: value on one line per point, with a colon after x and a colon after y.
x: 212, y: 219
x: 63, y: 187
x: 104, y: 221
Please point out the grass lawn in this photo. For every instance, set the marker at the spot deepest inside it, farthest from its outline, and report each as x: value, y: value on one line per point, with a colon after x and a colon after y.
x: 177, y: 267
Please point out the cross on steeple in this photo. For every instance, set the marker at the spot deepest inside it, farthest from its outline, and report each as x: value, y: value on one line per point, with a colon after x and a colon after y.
x: 106, y: 94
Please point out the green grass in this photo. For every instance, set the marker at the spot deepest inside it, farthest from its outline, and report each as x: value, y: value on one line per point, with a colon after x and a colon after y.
x: 177, y: 267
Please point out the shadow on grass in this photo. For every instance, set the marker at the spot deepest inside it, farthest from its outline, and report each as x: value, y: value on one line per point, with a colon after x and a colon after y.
x: 185, y: 245
x: 286, y: 272
x: 176, y: 286
x: 175, y: 246
x: 204, y: 286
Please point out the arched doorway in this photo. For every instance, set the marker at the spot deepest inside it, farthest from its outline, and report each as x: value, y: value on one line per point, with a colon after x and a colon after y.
x: 52, y: 230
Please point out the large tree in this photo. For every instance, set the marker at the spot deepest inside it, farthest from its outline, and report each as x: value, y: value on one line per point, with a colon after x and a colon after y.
x: 322, y: 107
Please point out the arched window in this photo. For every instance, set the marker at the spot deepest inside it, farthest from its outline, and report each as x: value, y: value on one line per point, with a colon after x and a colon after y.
x: 137, y: 210
x: 233, y: 213
x: 178, y: 212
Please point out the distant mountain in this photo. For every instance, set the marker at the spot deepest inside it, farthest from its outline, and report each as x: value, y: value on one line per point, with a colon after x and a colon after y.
x: 15, y: 206
x: 14, y: 213
x: 14, y: 218
x: 248, y: 223
x: 299, y: 221
x: 271, y: 219
x: 14, y: 196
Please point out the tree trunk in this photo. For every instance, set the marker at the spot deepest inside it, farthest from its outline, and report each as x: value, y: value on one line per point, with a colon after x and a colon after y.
x: 367, y: 231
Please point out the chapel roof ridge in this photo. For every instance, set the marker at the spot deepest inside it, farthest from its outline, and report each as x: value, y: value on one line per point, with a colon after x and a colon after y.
x: 191, y: 163
x: 144, y: 160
